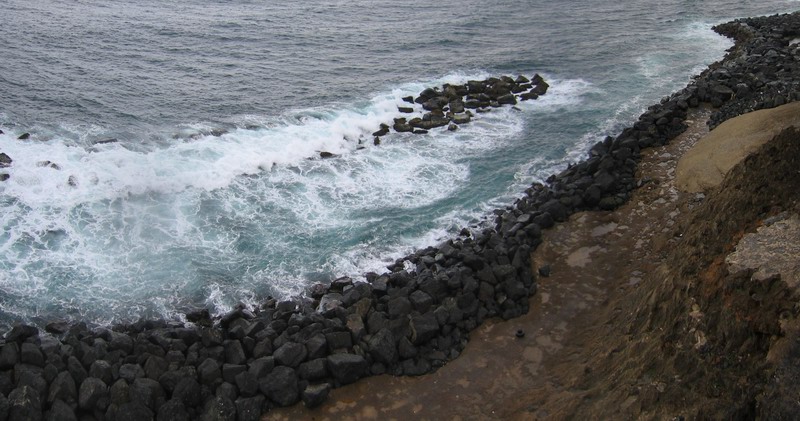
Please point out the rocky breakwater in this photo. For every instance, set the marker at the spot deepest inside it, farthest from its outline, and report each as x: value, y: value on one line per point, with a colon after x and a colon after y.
x: 406, y: 321
x: 452, y: 105
x: 761, y: 71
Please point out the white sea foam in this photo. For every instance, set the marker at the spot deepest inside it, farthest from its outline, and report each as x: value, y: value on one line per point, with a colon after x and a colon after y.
x: 563, y: 94
x: 118, y: 231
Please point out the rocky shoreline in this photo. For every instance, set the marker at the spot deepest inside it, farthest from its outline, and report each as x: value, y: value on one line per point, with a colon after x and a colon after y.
x: 408, y: 321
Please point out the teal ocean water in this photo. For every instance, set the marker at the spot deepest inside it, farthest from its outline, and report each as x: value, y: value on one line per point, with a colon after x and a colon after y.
x: 208, y: 197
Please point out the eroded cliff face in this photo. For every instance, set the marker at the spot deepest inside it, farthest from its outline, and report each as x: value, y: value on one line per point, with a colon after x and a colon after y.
x: 714, y: 331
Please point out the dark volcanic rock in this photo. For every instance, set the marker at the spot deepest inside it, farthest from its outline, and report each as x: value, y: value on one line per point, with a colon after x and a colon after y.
x: 247, y: 383
x: 339, y: 341
x: 9, y: 355
x: 313, y: 370
x: 129, y: 372
x: 3, y: 403
x: 60, y: 411
x: 290, y: 354
x: 173, y: 410
x: 63, y: 388
x: 134, y: 411
x: 315, y: 395
x: 382, y: 346
x: 347, y: 368
x: 250, y: 409
x: 21, y: 332
x: 423, y: 328
x: 219, y: 408
x: 93, y: 393
x: 57, y: 327
x: 280, y: 386
x: 24, y: 404
x: 507, y: 99
x: 209, y: 371
x: 188, y: 391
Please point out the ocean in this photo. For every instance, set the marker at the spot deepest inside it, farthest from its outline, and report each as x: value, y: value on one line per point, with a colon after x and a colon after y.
x: 212, y: 193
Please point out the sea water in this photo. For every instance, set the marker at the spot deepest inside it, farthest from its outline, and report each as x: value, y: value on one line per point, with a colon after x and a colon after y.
x: 213, y: 192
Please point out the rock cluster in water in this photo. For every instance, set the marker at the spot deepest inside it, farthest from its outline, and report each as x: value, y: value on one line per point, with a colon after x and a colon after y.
x: 407, y: 321
x: 451, y: 105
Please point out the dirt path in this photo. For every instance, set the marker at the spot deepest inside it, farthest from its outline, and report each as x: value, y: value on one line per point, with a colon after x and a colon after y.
x: 596, y: 259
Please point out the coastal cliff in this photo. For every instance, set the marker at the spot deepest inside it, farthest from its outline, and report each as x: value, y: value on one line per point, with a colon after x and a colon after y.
x: 655, y: 328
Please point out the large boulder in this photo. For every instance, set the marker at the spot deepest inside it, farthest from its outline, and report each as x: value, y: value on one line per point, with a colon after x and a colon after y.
x: 148, y: 392
x: 154, y: 367
x: 507, y: 99
x: 313, y: 370
x: 457, y: 106
x: 173, y: 410
x: 461, y: 118
x: 101, y: 369
x: 63, y: 388
x: 280, y: 386
x: 426, y: 94
x: 347, y: 368
x: 424, y: 328
x: 24, y: 404
x: 219, y: 408
x: 249, y: 409
x: 247, y: 383
x: 209, y: 371
x: 188, y: 391
x: 476, y: 86
x: 19, y: 333
x: 60, y: 411
x: 436, y: 103
x: 93, y: 393
x: 382, y: 346
x: 400, y: 126
x: 234, y: 352
x: 129, y: 372
x: 290, y: 354
x: 134, y: 411
x: 9, y: 355
x: 315, y: 395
